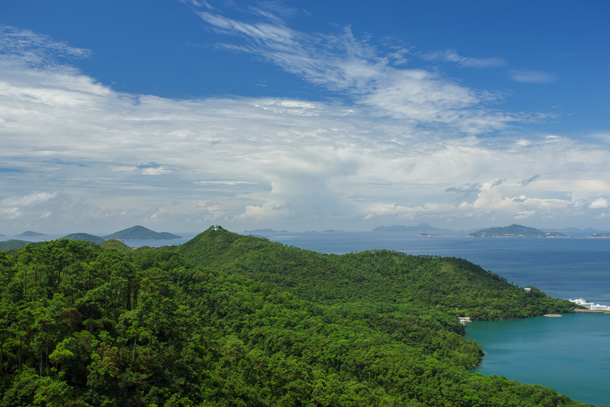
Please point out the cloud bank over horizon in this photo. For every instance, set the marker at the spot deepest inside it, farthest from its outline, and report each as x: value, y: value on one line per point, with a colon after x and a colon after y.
x: 397, y: 144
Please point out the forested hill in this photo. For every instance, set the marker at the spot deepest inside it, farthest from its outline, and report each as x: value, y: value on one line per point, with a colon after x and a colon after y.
x: 229, y: 320
x: 455, y: 285
x: 514, y: 231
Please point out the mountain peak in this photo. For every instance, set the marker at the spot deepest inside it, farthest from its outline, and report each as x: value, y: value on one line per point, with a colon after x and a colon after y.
x: 141, y: 233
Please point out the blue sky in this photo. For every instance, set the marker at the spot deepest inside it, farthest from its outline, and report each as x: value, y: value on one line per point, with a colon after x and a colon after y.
x: 303, y: 115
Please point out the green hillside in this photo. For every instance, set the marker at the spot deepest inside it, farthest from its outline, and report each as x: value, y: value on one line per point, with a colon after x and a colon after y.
x: 450, y: 284
x: 85, y: 237
x: 115, y: 244
x: 12, y: 244
x: 141, y: 233
x: 230, y: 320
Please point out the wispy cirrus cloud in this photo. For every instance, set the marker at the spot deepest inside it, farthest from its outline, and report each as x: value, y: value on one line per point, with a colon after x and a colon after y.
x: 391, y: 152
x: 35, y: 48
x: 354, y: 67
x: 526, y: 76
x: 462, y: 61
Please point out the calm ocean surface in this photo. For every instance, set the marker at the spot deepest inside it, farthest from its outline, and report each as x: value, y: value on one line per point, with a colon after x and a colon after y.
x: 570, y: 354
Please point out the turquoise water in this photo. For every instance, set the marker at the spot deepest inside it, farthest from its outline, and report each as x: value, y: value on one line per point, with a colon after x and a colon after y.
x: 570, y: 354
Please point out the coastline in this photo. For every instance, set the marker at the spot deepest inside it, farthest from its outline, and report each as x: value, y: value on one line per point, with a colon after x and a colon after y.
x: 546, y: 351
x: 591, y: 311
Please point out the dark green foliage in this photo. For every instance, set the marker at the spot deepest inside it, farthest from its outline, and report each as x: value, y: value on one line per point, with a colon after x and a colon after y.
x: 228, y: 320
x: 116, y: 244
x: 454, y: 285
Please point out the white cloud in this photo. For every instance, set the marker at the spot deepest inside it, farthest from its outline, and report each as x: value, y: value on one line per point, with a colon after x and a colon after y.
x: 390, y: 154
x: 467, y: 62
x: 524, y: 214
x: 34, y: 203
x: 225, y: 183
x: 600, y: 203
x: 155, y: 171
x: 354, y: 67
x: 532, y: 76
x: 35, y: 48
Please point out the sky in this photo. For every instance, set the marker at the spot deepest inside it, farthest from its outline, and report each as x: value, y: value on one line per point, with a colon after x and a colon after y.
x: 303, y: 115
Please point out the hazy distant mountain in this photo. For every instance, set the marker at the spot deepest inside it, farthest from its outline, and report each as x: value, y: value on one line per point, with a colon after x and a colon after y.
x: 86, y: 237
x: 141, y: 233
x: 421, y: 228
x: 579, y: 232
x: 29, y: 233
x: 514, y: 231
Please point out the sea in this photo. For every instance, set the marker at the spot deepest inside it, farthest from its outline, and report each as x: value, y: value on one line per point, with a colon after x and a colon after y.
x: 569, y: 354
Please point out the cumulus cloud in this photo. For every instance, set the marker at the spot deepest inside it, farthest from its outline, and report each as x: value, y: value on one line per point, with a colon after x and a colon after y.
x: 392, y: 152
x: 596, y: 203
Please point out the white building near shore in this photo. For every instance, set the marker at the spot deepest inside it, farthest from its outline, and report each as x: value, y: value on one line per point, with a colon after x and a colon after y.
x: 590, y: 305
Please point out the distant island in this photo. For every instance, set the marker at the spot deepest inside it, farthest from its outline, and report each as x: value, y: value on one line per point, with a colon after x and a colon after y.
x: 603, y: 235
x: 133, y: 233
x: 141, y: 233
x: 85, y: 237
x: 514, y: 231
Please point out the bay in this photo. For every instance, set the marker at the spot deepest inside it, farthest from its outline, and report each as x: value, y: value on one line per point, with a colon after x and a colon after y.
x: 570, y: 354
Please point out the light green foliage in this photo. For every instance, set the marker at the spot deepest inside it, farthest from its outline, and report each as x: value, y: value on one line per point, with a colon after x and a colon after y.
x: 228, y: 320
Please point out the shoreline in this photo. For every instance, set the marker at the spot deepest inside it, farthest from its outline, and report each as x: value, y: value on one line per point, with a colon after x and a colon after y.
x: 591, y: 311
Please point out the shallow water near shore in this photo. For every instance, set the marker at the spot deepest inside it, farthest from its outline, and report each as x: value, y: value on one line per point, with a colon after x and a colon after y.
x: 570, y: 354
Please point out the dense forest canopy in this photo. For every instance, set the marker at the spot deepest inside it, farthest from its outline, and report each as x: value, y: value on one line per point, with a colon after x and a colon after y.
x: 230, y: 320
